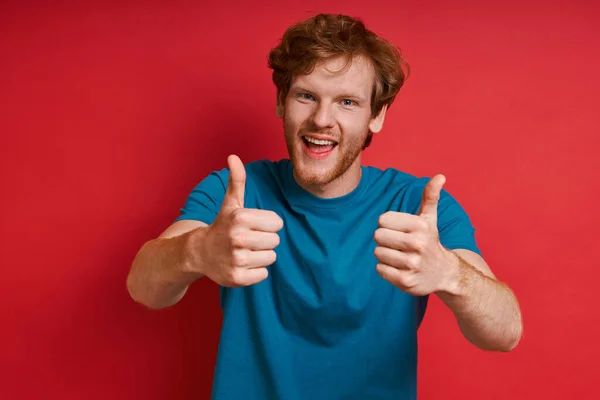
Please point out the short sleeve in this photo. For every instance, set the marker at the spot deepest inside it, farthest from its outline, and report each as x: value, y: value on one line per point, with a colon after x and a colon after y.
x: 204, y: 202
x: 454, y: 225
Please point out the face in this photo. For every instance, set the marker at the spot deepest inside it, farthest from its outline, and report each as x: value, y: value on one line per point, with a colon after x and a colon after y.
x: 326, y: 119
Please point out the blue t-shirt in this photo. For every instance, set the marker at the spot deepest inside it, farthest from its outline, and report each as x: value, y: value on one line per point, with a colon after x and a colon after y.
x: 324, y: 324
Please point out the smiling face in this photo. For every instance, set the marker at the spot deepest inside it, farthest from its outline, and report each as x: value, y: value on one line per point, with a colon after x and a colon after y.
x: 327, y: 118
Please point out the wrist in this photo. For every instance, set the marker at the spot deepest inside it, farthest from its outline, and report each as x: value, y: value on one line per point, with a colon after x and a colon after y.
x: 452, y: 283
x: 192, y: 254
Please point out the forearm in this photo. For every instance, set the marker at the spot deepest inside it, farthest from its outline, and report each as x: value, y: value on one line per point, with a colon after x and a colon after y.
x: 159, y: 276
x: 487, y: 311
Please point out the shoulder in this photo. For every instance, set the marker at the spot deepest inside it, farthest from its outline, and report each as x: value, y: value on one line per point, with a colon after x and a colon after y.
x: 254, y: 170
x: 400, y: 184
x: 390, y: 176
x: 268, y: 172
x: 265, y: 167
x: 409, y: 186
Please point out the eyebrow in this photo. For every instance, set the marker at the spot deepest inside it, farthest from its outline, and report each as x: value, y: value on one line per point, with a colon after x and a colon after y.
x: 342, y: 96
x: 353, y: 96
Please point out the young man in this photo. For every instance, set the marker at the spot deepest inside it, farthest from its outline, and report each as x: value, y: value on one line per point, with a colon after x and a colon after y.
x: 325, y: 265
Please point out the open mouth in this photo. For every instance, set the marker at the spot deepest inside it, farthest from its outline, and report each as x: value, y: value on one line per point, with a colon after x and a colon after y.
x: 318, y: 148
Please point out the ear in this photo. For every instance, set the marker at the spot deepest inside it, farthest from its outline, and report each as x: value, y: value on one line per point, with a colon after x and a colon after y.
x: 376, y: 122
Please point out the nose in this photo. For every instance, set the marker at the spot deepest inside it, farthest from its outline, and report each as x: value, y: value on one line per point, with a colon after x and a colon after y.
x: 323, y: 116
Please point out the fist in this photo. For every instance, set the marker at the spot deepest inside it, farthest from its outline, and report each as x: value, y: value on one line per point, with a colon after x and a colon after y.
x: 239, y: 245
x: 409, y: 251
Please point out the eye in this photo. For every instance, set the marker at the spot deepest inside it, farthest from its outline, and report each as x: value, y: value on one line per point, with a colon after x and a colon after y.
x: 348, y: 103
x: 306, y: 96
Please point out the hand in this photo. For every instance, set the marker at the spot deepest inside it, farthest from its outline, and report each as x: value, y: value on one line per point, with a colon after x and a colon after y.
x: 409, y: 251
x: 239, y: 244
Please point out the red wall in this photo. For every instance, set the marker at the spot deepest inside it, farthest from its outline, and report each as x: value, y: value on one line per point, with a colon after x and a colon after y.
x: 111, y: 113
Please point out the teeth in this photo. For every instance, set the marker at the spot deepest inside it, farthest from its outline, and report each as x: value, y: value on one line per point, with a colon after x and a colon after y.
x: 319, y: 142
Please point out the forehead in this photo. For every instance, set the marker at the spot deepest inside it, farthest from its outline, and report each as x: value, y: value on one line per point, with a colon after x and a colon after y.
x: 330, y: 76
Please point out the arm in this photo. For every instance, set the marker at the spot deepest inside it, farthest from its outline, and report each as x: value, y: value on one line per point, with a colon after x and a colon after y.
x: 232, y: 250
x: 413, y: 257
x: 486, y: 310
x: 159, y: 276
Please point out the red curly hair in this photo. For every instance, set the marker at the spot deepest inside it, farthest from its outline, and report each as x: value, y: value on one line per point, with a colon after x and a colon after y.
x: 325, y: 36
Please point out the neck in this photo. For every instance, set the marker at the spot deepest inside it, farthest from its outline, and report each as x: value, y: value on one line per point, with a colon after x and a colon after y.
x: 340, y: 186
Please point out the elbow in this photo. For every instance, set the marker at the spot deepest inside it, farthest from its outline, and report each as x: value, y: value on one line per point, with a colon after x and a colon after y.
x: 510, y: 343
x: 138, y: 285
x: 145, y: 298
x: 503, y: 343
x: 509, y: 346
x: 132, y: 289
x: 136, y: 294
x: 501, y: 347
x: 516, y: 338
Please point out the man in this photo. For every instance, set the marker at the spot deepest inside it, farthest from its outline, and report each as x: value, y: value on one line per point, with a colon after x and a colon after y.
x: 325, y: 265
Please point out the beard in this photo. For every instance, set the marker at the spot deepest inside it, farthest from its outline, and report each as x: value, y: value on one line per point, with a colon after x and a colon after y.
x: 321, y: 172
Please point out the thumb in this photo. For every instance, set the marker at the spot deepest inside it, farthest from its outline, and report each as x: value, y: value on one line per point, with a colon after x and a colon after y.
x: 234, y: 196
x: 431, y: 197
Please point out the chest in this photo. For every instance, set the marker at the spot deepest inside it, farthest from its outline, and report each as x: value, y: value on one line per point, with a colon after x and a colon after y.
x: 324, y: 284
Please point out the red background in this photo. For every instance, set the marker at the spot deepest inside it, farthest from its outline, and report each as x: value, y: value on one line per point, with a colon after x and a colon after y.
x: 110, y: 114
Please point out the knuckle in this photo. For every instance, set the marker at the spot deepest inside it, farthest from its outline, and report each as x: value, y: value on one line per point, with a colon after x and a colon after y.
x: 278, y: 222
x: 237, y: 238
x: 401, y: 278
x: 383, y: 218
x: 377, y: 235
x: 232, y: 276
x: 414, y: 262
x: 381, y: 270
x: 239, y: 259
x: 239, y: 217
x: 408, y: 281
x: 420, y: 244
x: 264, y: 274
x: 276, y: 240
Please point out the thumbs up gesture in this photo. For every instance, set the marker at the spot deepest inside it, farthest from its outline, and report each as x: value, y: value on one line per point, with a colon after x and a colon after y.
x: 409, y: 251
x: 239, y: 244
